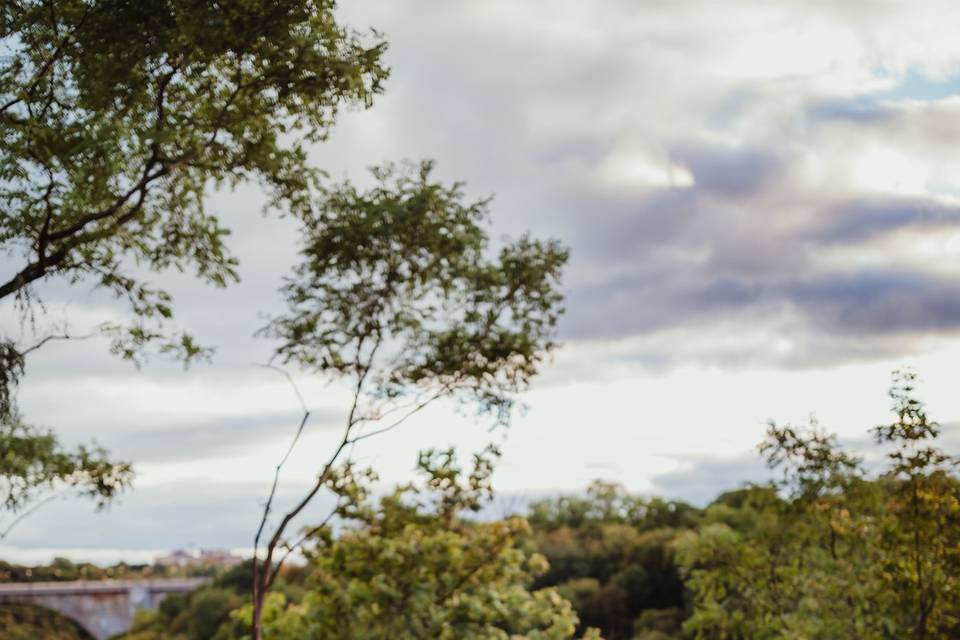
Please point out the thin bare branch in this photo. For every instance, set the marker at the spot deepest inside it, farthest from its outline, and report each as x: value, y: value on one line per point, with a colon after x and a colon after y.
x: 293, y: 384
x: 25, y: 514
x: 293, y: 443
x: 263, y: 579
x: 64, y: 336
x: 419, y: 407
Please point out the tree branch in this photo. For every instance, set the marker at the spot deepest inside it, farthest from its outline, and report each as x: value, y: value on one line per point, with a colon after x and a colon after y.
x: 402, y: 419
x: 20, y: 518
x: 63, y: 336
x: 276, y: 479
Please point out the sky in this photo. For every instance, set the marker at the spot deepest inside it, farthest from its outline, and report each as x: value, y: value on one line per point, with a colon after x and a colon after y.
x: 762, y: 202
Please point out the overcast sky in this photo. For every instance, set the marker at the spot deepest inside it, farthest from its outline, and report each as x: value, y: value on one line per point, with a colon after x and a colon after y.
x: 763, y: 206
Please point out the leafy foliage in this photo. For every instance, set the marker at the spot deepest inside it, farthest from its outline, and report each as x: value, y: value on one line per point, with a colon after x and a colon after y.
x: 28, y: 622
x: 840, y: 554
x: 611, y: 555
x: 32, y: 462
x: 117, y: 117
x: 396, y: 286
x: 414, y: 567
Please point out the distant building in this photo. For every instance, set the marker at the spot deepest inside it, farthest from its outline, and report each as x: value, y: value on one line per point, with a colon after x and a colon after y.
x: 177, y: 558
x: 220, y: 558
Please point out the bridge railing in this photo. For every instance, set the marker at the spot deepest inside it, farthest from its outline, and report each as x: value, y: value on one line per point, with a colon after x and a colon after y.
x: 79, y: 587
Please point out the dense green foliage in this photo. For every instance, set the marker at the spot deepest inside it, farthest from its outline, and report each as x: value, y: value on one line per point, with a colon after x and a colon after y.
x: 611, y: 555
x: 116, y: 118
x: 27, y: 622
x: 835, y: 553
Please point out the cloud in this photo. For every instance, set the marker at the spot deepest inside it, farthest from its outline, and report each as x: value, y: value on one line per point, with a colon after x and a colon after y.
x: 866, y: 217
x: 220, y: 438
x: 730, y: 172
x: 701, y: 479
x: 173, y: 515
x: 703, y: 165
x: 771, y: 188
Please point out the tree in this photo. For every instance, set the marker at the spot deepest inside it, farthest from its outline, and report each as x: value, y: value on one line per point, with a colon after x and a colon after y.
x: 840, y: 554
x: 33, y: 463
x: 415, y: 567
x: 118, y: 117
x: 611, y: 555
x: 400, y: 295
x: 919, y: 544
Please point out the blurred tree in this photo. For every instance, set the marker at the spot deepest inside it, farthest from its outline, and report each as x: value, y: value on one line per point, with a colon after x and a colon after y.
x: 399, y: 294
x: 842, y: 555
x: 33, y: 466
x: 414, y: 567
x: 204, y: 613
x: 918, y: 552
x: 20, y: 621
x: 611, y: 555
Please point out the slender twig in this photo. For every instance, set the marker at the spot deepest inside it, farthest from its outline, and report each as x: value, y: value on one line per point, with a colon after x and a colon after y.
x: 419, y: 407
x: 263, y: 580
x: 64, y: 336
x: 27, y: 513
x: 276, y: 474
x: 382, y: 413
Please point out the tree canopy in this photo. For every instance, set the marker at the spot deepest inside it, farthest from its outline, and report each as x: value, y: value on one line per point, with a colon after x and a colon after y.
x: 399, y: 285
x: 414, y: 567
x: 118, y: 117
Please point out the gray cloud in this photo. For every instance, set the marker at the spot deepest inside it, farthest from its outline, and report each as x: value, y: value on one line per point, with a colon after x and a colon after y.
x: 703, y: 479
x: 735, y: 172
x: 868, y: 217
x: 174, y: 515
x: 862, y: 110
x: 219, y: 438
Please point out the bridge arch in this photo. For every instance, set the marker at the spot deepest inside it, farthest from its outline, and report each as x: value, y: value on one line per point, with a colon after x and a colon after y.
x: 102, y: 607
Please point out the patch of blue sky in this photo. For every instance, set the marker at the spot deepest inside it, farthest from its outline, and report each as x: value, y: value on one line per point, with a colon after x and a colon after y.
x: 918, y: 86
x: 912, y: 86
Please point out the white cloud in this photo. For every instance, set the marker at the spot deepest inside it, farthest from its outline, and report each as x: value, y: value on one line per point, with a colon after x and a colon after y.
x: 763, y: 220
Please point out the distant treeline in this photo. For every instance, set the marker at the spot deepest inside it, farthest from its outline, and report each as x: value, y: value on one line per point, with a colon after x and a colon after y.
x: 63, y: 570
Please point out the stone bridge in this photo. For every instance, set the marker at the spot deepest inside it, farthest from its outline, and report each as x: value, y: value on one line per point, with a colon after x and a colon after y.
x: 102, y: 607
